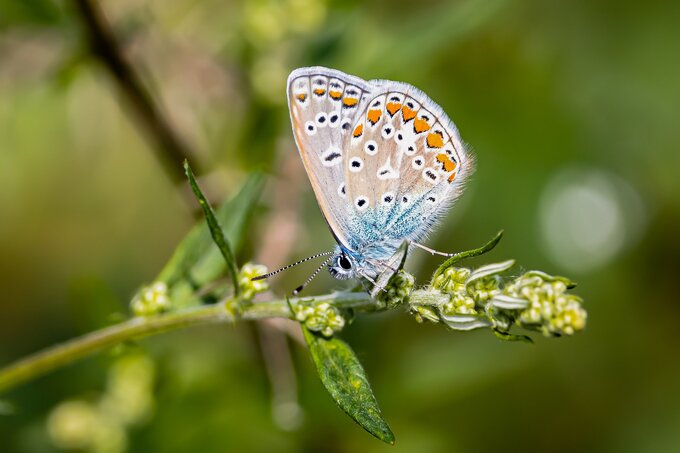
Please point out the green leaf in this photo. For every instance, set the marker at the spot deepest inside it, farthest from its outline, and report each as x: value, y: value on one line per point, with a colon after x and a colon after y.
x: 215, y: 229
x: 505, y: 336
x: 345, y: 379
x: 196, y: 258
x: 468, y: 254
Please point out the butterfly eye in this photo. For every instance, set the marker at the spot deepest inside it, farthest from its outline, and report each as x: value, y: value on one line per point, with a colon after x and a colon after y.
x: 344, y: 263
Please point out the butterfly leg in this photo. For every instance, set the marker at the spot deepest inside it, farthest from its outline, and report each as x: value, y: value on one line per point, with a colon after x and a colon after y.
x: 431, y: 251
x: 375, y: 289
x: 382, y: 264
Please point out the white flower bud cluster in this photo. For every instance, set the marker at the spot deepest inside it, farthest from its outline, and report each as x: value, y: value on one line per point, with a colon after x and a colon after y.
x: 249, y: 287
x: 320, y: 317
x: 476, y: 299
x: 551, y: 310
x: 151, y: 300
x: 397, y: 290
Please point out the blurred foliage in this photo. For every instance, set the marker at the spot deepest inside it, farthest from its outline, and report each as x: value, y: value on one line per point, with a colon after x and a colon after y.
x: 570, y: 107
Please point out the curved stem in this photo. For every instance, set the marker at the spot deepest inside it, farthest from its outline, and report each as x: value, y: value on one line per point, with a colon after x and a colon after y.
x: 73, y: 350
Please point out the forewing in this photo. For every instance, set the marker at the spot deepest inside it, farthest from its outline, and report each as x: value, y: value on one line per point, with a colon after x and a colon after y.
x: 406, y: 163
x: 324, y: 104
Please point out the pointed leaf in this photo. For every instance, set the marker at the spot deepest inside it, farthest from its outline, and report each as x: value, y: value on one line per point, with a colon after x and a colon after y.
x: 489, y: 270
x: 215, y: 228
x: 505, y: 336
x: 506, y: 302
x: 196, y: 255
x: 468, y: 254
x: 465, y: 322
x: 345, y: 379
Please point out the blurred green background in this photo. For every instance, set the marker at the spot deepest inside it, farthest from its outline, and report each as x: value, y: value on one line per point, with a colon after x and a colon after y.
x: 572, y: 109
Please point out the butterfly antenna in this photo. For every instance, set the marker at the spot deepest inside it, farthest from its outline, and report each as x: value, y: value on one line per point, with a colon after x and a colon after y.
x: 311, y: 277
x: 262, y: 277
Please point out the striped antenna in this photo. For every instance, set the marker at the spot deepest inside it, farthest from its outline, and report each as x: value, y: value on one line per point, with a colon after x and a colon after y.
x: 262, y: 277
x: 311, y: 277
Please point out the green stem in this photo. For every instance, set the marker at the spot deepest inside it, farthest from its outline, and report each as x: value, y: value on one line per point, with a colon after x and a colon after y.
x: 73, y: 350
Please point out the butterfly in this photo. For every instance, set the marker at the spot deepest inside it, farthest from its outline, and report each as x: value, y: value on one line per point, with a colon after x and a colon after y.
x: 385, y: 163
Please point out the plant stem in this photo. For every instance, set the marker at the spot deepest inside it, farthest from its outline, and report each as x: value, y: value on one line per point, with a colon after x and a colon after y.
x: 170, y: 149
x: 73, y: 350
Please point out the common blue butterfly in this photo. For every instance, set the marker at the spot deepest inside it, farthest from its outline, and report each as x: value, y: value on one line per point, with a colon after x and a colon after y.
x: 384, y: 160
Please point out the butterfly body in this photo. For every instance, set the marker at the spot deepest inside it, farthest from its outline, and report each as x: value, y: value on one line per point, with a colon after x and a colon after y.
x: 384, y: 160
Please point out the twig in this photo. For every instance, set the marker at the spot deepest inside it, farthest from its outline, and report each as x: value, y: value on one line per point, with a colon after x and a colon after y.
x: 170, y: 149
x: 73, y: 350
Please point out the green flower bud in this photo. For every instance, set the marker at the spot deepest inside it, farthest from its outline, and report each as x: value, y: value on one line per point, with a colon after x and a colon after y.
x: 323, y: 318
x: 452, y: 280
x: 249, y: 287
x: 398, y: 288
x: 460, y: 304
x: 483, y: 289
x: 151, y: 300
x: 551, y: 310
x: 424, y: 313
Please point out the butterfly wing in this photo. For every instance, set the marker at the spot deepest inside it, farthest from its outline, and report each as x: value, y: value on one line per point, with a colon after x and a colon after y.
x: 324, y: 104
x: 406, y: 164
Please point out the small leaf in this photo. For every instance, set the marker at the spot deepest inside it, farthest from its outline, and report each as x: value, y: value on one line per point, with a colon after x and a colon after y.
x: 505, y: 336
x: 345, y: 379
x: 468, y: 254
x: 465, y: 322
x: 488, y: 270
x: 196, y: 256
x: 235, y: 217
x: 551, y: 278
x: 215, y: 228
x: 506, y: 302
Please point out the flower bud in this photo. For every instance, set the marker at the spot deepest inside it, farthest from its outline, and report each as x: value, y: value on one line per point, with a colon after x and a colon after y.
x: 398, y: 288
x: 245, y: 280
x: 323, y: 318
x: 551, y: 310
x: 151, y: 300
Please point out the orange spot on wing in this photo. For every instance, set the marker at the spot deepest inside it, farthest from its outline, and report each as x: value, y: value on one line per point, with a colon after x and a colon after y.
x: 447, y: 163
x: 393, y: 107
x: 435, y: 140
x: 301, y: 97
x: 374, y: 115
x: 452, y: 177
x: 335, y: 94
x: 319, y: 91
x: 407, y: 113
x: 420, y: 125
x: 350, y: 102
x: 358, y: 131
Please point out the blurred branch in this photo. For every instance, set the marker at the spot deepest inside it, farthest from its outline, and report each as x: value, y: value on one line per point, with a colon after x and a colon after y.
x: 170, y: 149
x: 71, y: 351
